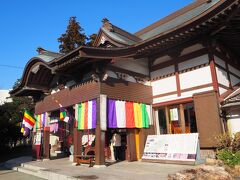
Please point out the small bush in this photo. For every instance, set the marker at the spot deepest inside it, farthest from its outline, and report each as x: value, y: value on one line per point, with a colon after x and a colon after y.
x: 224, y: 141
x: 228, y: 157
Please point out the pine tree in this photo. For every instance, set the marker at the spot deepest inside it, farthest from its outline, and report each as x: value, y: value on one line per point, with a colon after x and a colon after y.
x: 73, y: 37
x: 91, y: 39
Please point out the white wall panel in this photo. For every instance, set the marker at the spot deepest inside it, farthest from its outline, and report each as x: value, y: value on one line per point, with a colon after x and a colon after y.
x: 162, y: 59
x: 192, y: 49
x: 190, y: 93
x: 234, y: 121
x: 233, y: 70
x: 196, y: 77
x: 222, y: 90
x: 219, y: 61
x: 163, y: 71
x: 139, y: 65
x: 234, y: 80
x: 183, y: 95
x: 193, y: 62
x: 165, y: 98
x: 222, y: 77
x: 164, y: 85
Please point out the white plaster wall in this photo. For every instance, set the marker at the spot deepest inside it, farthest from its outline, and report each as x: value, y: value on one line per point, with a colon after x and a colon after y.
x: 165, y: 98
x: 193, y: 62
x: 183, y: 95
x: 164, y: 85
x: 163, y: 71
x: 222, y: 77
x: 191, y: 49
x: 234, y: 80
x: 196, y: 77
x: 162, y: 59
x: 233, y: 70
x: 138, y: 65
x: 219, y: 61
x: 234, y: 121
x: 222, y: 90
x: 190, y: 93
x: 4, y: 96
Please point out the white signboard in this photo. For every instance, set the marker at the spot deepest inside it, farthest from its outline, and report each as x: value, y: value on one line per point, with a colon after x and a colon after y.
x: 177, y: 147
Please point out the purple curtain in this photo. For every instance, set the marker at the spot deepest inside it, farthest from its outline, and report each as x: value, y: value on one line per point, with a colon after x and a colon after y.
x: 94, y: 113
x: 111, y: 114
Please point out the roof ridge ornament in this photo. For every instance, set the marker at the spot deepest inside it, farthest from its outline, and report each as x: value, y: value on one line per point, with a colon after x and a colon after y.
x: 107, y: 25
x: 40, y: 50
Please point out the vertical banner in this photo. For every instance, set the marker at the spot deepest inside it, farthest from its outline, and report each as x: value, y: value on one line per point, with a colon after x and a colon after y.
x: 174, y: 114
x: 103, y: 112
x: 76, y: 115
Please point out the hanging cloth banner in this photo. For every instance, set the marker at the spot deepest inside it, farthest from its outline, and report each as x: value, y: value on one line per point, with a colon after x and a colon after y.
x: 41, y: 120
x: 103, y: 112
x: 85, y: 115
x: 122, y: 114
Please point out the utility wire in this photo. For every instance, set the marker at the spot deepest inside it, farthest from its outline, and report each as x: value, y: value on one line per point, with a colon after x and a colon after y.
x: 10, y: 66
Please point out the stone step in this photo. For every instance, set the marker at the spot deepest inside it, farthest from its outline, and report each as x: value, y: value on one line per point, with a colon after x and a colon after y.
x: 32, y: 172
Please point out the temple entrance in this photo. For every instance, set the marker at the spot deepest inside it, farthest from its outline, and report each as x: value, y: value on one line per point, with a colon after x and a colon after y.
x: 109, y: 144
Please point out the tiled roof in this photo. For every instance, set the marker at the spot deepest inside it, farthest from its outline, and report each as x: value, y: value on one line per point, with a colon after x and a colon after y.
x: 179, y: 20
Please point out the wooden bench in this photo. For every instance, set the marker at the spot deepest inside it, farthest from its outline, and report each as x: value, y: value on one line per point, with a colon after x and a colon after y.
x: 87, y: 158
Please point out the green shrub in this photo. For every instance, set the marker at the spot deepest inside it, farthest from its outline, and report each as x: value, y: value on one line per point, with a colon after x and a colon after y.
x: 228, y: 157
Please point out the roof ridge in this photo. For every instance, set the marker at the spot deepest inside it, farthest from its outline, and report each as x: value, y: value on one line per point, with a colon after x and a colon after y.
x: 170, y: 17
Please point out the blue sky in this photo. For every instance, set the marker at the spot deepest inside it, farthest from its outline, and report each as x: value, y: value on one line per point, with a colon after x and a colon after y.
x: 28, y: 24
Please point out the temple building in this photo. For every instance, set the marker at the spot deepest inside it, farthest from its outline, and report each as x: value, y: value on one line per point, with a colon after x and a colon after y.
x: 167, y: 78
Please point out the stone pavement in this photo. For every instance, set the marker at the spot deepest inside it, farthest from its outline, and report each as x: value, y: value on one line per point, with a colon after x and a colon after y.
x: 63, y: 169
x: 14, y: 175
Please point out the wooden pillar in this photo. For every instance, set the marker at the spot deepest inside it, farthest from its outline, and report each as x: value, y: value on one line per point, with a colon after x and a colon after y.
x: 228, y: 75
x: 77, y: 143
x: 131, y: 145
x: 167, y: 120
x: 182, y: 118
x: 34, y: 154
x: 100, y: 139
x: 213, y: 72
x: 46, y: 147
x: 177, y: 80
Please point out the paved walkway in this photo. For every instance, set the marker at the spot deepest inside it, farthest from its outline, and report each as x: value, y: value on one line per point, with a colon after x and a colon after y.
x: 64, y: 169
x: 14, y: 175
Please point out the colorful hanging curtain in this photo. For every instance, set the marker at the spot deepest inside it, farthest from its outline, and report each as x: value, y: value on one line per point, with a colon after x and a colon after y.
x: 41, y: 120
x: 86, y: 115
x: 64, y: 116
x: 122, y: 114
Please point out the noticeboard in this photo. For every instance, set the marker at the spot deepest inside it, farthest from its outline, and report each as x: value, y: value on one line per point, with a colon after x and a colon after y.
x: 173, y: 147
